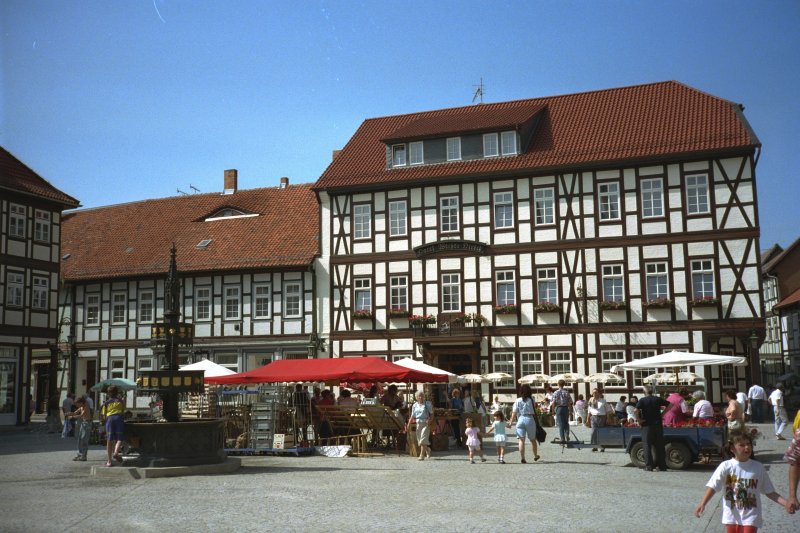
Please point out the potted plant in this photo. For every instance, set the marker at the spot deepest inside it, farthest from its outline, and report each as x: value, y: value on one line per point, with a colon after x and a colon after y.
x: 421, y: 320
x: 704, y: 301
x: 507, y: 309
x: 362, y: 314
x: 547, y: 307
x: 613, y: 305
x: 397, y: 312
x: 474, y: 318
x: 658, y: 303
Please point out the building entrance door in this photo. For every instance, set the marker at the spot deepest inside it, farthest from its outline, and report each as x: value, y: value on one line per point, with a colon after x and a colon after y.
x: 8, y: 391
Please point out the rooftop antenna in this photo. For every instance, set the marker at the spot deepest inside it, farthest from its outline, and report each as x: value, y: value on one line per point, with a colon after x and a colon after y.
x: 195, y: 189
x: 478, y: 92
x: 181, y: 192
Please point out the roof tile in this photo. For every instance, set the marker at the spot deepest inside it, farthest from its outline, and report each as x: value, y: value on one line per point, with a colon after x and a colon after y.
x: 17, y: 176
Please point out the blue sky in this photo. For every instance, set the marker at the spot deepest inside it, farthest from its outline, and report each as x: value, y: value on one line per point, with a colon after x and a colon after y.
x: 127, y: 100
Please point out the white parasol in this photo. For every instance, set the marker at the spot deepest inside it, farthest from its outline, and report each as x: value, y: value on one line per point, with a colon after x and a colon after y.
x: 676, y: 360
x: 473, y: 378
x: 422, y: 367
x: 672, y: 378
x: 529, y: 379
x: 569, y: 377
x: 495, y: 377
x: 209, y: 368
x: 605, y: 378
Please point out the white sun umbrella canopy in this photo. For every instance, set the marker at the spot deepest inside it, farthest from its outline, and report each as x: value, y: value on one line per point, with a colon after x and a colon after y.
x: 671, y: 377
x: 494, y: 377
x: 680, y: 359
x: 422, y: 367
x: 530, y: 379
x: 569, y: 377
x: 210, y: 369
x: 474, y: 378
x: 606, y: 378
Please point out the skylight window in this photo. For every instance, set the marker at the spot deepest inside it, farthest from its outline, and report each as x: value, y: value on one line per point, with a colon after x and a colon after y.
x: 202, y: 245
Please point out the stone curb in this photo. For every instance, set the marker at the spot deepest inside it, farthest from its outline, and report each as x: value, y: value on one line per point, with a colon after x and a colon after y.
x: 126, y: 472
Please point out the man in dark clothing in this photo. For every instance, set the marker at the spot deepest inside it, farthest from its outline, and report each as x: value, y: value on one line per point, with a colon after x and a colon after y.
x: 648, y: 413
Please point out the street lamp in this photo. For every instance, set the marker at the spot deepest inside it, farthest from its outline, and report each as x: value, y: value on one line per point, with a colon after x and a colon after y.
x: 73, y: 362
x: 755, y: 376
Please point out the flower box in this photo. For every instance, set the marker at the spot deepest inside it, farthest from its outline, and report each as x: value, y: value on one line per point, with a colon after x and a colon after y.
x: 362, y: 314
x: 398, y: 313
x: 469, y: 318
x: 421, y: 320
x: 706, y: 301
x: 510, y: 309
x: 613, y: 305
x: 659, y: 303
x: 547, y: 307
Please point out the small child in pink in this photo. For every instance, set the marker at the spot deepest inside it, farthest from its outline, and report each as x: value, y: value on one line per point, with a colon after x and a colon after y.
x: 473, y: 442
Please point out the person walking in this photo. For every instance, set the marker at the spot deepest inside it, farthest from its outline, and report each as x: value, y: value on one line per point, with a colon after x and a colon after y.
x: 792, y: 456
x: 112, y: 413
x: 473, y: 442
x: 779, y: 408
x: 598, y: 416
x: 648, y: 414
x: 498, y: 427
x: 67, y: 406
x: 524, y: 414
x: 756, y: 396
x: 457, y: 404
x: 561, y: 406
x: 83, y: 419
x: 422, y: 415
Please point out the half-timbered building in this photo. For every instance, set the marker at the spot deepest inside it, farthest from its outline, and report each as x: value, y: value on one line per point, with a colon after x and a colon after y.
x: 780, y: 352
x: 567, y: 233
x: 30, y: 250
x: 246, y: 260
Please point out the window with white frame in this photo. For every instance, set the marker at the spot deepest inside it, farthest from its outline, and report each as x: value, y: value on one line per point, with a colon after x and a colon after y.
x: 202, y: 303
x: 531, y: 363
x: 362, y: 294
x: 41, y: 230
x: 657, y: 281
x: 504, y: 209
x: 547, y: 285
x: 398, y: 218
x: 490, y: 146
x: 416, y: 154
x: 652, y: 197
x: 544, y: 205
x: 639, y: 375
x: 117, y: 370
x: 448, y: 214
x: 262, y: 296
x: 228, y: 360
x: 362, y: 221
x: 608, y: 197
x: 696, y: 194
x: 232, y: 301
x: 506, y: 287
x: 504, y: 362
x: 613, y: 284
x: 453, y: 148
x: 144, y: 364
x: 508, y: 142
x: 451, y: 292
x: 292, y: 300
x: 41, y: 290
x: 16, y: 221
x: 399, y: 155
x: 15, y: 282
x: 146, y: 306
x: 702, y: 279
x: 398, y: 293
x: 727, y: 377
x: 560, y: 363
x: 92, y: 310
x: 119, y: 306
x: 611, y: 358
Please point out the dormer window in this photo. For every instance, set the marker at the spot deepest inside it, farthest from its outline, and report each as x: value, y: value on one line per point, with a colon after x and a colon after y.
x: 453, y: 148
x: 490, y: 148
x: 226, y: 213
x: 398, y: 155
x: 415, y: 153
x: 508, y: 142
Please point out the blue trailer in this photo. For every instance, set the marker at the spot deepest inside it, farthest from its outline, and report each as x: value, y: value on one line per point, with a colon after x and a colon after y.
x: 684, y: 445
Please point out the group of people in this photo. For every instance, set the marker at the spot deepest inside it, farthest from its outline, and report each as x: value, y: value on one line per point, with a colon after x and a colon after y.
x: 79, y: 415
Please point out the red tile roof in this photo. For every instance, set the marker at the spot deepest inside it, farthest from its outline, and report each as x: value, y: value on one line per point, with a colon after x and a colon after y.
x: 17, y: 176
x: 789, y: 300
x: 134, y: 239
x: 658, y: 120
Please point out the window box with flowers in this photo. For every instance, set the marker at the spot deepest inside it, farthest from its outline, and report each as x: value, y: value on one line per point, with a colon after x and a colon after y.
x: 362, y: 314
x: 704, y: 301
x: 398, y: 313
x: 469, y: 319
x: 613, y: 305
x: 421, y: 320
x: 508, y: 309
x: 659, y: 303
x: 547, y: 307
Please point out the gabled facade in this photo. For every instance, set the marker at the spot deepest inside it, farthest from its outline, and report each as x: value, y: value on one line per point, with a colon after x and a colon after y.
x: 781, y: 279
x: 588, y: 230
x: 245, y: 258
x: 30, y: 248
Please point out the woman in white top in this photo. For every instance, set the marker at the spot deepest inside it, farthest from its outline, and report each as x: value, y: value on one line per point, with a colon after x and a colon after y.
x: 702, y: 408
x: 598, y: 412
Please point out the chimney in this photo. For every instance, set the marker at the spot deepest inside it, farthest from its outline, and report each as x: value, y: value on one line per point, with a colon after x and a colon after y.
x: 284, y: 182
x: 335, y: 154
x: 231, y: 181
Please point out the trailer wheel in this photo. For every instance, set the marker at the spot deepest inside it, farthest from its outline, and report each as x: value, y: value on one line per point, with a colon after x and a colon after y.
x: 637, y: 455
x: 678, y: 456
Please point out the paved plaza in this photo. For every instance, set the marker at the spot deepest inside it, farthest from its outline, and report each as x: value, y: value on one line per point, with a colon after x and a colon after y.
x: 43, y: 490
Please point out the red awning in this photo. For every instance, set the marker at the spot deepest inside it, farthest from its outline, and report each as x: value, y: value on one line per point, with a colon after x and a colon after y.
x: 341, y: 368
